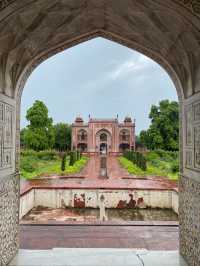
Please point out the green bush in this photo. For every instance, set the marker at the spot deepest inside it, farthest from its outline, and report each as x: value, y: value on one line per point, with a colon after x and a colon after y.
x: 175, y: 166
x: 47, y: 155
x: 156, y: 163
x: 28, y: 166
x: 29, y: 153
x: 63, y: 162
x: 42, y: 155
x: 136, y: 158
x: 77, y: 166
x: 72, y: 158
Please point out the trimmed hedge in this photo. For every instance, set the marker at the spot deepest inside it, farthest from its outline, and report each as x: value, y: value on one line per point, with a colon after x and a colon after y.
x: 136, y: 158
x: 74, y: 156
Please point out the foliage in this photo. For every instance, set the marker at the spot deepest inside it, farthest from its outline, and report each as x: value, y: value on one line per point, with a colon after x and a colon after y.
x: 74, y: 156
x: 43, y: 155
x: 63, y: 162
x: 163, y: 132
x: 137, y: 159
x: 78, y: 165
x: 22, y: 137
x: 159, y: 163
x: 62, y: 136
x: 39, y: 135
x: 35, y: 164
x: 130, y: 167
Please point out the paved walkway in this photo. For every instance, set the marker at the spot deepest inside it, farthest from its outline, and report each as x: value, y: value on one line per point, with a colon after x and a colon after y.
x: 97, y: 257
x: 113, y: 236
x: 89, y: 179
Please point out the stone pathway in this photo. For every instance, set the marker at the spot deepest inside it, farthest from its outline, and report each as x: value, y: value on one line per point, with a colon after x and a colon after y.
x: 95, y: 236
x: 97, y: 257
x: 89, y: 179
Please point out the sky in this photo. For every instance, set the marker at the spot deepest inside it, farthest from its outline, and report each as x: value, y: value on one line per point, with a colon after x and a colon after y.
x: 101, y: 78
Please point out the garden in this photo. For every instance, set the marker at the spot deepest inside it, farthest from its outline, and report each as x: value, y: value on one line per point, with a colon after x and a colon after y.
x: 152, y: 163
x: 37, y: 164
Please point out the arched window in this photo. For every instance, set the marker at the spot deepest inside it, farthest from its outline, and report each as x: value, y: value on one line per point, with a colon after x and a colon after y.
x: 103, y: 137
x: 82, y: 135
x: 124, y: 135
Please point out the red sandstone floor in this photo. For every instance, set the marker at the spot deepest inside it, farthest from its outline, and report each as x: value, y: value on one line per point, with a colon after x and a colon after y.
x: 89, y: 179
x: 147, y: 237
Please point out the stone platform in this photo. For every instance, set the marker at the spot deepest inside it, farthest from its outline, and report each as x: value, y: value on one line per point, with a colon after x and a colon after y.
x: 97, y: 257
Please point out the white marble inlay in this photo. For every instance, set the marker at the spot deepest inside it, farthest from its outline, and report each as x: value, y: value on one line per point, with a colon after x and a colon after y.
x: 96, y: 257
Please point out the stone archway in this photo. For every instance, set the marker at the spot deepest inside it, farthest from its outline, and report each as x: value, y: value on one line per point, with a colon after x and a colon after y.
x: 167, y: 31
x: 103, y: 141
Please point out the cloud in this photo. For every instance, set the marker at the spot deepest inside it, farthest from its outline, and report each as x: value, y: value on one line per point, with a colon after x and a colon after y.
x: 134, y: 65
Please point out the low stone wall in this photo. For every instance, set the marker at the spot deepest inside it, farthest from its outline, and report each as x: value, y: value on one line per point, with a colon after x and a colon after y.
x: 27, y: 202
x: 175, y: 202
x: 86, y: 198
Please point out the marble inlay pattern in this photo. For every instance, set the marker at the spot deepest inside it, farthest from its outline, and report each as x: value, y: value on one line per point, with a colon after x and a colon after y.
x: 192, y: 132
x: 6, y: 135
x: 9, y: 207
x: 189, y: 220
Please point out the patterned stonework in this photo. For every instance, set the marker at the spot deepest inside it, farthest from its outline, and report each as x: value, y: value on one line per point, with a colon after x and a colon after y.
x: 193, y: 5
x: 9, y: 207
x: 189, y: 215
x: 189, y: 161
x: 197, y: 147
x: 6, y: 135
x: 5, y: 3
x: 192, y: 149
x: 197, y: 112
x: 189, y: 120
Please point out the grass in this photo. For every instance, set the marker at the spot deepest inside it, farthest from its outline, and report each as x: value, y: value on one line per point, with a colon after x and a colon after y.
x: 37, y: 164
x: 159, y: 163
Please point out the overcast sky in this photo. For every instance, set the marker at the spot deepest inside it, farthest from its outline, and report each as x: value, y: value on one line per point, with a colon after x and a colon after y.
x: 100, y: 78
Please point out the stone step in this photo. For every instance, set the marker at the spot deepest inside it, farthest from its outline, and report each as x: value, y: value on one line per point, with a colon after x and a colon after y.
x: 96, y: 257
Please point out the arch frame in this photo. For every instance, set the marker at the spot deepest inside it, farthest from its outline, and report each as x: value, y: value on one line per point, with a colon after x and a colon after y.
x: 187, y: 184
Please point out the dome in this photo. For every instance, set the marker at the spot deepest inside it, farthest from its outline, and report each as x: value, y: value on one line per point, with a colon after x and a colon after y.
x: 127, y: 119
x: 79, y: 119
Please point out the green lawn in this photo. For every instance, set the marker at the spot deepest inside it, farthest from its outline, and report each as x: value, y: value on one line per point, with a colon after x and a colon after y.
x: 37, y: 164
x: 158, y: 164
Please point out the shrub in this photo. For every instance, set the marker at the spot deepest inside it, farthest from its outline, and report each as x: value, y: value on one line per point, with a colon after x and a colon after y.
x: 136, y: 158
x: 175, y: 166
x: 47, y: 155
x: 63, y: 162
x: 29, y: 153
x: 72, y: 158
x: 27, y: 165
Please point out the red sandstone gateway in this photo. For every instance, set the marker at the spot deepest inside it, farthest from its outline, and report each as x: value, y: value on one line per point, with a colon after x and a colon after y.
x: 103, y: 135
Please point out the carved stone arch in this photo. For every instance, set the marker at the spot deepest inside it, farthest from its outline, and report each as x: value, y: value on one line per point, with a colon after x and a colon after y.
x: 103, y: 130
x: 166, y: 31
x: 41, y: 57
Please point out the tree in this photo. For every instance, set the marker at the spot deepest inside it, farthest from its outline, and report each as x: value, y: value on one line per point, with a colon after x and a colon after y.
x: 22, y: 137
x: 62, y: 136
x: 39, y: 134
x: 163, y: 132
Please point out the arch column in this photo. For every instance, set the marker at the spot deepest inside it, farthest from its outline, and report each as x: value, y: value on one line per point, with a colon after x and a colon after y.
x: 9, y: 181
x: 189, y: 195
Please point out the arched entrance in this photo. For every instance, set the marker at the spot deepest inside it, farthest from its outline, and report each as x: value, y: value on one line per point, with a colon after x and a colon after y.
x: 103, y: 148
x: 103, y: 141
x: 167, y: 31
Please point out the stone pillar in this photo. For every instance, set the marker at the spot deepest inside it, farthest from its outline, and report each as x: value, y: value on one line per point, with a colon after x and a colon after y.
x: 189, y: 196
x: 9, y: 181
